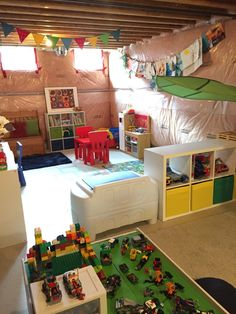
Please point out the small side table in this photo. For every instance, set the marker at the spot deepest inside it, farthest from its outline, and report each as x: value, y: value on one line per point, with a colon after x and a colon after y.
x: 95, y: 300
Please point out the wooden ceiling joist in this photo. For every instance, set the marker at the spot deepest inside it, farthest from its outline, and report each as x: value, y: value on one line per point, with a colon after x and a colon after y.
x: 137, y: 19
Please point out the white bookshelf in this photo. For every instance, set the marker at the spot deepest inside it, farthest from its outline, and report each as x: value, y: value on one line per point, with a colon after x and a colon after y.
x: 61, y: 129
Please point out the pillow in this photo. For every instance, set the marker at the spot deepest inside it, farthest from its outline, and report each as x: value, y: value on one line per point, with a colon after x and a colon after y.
x: 20, y: 129
x: 32, y: 127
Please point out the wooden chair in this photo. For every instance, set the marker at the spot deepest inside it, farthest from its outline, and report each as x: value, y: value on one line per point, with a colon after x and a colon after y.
x: 98, y: 148
x: 81, y: 141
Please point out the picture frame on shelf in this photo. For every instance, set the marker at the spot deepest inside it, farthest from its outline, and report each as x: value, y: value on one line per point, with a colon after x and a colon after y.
x: 61, y: 99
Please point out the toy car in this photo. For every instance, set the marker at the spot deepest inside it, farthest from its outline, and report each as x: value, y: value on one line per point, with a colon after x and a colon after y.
x: 133, y: 254
x: 113, y: 242
x: 175, y: 177
x: 111, y: 284
x: 132, y: 278
x: 138, y: 240
x: 220, y: 166
x: 50, y: 288
x: 124, y: 268
x: 73, y: 285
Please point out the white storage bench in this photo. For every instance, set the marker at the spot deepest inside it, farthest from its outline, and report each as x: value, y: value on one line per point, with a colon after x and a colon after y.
x: 108, y: 201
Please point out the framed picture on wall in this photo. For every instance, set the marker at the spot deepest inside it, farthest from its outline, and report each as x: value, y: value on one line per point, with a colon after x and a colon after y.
x: 60, y: 99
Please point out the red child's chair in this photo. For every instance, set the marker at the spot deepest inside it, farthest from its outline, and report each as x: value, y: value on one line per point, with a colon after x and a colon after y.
x: 98, y: 147
x: 81, y: 141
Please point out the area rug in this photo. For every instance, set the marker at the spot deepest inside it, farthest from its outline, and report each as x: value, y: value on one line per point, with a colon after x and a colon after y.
x: 45, y: 160
x: 136, y: 166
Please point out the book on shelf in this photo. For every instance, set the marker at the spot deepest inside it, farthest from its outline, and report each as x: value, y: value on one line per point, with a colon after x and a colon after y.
x: 54, y: 120
x: 77, y: 119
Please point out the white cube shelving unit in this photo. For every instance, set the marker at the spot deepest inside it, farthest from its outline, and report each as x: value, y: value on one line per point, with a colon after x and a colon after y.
x: 197, y: 193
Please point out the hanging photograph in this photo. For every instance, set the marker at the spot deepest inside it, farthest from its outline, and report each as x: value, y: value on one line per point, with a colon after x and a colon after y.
x: 60, y: 99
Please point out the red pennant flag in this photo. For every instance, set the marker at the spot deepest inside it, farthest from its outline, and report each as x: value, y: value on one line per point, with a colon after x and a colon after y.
x: 22, y: 34
x: 80, y: 42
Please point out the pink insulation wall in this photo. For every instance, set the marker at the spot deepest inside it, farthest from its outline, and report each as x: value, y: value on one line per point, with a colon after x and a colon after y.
x: 176, y: 120
x: 25, y: 90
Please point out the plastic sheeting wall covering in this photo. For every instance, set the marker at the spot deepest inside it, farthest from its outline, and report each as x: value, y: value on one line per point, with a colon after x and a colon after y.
x: 177, y: 120
x: 25, y: 90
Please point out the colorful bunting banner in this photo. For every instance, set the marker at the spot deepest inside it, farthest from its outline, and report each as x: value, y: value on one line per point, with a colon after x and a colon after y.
x: 66, y: 42
x: 22, y: 34
x: 38, y: 38
x: 80, y: 42
x: 104, y: 38
x: 116, y: 34
x: 53, y: 40
x: 7, y: 29
x: 93, y: 41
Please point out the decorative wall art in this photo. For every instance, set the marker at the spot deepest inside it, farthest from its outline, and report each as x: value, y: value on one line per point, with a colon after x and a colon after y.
x: 60, y: 99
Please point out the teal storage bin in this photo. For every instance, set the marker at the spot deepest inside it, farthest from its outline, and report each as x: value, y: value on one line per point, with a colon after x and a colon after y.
x: 223, y: 189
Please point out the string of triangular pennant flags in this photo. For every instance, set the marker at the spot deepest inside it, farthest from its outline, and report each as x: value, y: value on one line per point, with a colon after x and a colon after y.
x: 38, y: 38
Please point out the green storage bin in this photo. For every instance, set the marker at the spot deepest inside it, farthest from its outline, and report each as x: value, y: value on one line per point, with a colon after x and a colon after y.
x: 223, y: 189
x: 55, y: 133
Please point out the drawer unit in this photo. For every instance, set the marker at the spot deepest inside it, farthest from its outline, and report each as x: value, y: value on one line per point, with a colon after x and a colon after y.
x: 177, y: 201
x: 223, y: 189
x: 202, y: 195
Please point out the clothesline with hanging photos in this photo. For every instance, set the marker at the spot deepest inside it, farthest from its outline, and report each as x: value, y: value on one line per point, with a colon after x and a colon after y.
x: 183, y: 63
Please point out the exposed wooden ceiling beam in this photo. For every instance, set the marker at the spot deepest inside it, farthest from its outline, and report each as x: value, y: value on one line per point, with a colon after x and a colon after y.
x: 88, y: 8
x: 13, y: 18
x: 136, y: 19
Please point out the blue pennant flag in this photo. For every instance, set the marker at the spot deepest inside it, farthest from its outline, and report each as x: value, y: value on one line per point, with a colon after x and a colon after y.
x: 66, y: 42
x: 116, y: 34
x: 7, y: 29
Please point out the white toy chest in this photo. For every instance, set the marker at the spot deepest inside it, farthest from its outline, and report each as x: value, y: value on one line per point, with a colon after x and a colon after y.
x: 123, y: 199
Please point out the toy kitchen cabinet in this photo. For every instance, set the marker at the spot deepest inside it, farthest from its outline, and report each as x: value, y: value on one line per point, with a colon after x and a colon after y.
x: 134, y: 133
x: 192, y: 176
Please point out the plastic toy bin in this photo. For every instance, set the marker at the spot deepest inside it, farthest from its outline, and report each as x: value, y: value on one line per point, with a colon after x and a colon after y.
x: 223, y: 189
x: 177, y: 201
x: 202, y: 195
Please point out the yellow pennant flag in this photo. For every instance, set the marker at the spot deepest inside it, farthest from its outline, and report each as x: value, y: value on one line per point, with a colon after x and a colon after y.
x: 93, y: 41
x: 38, y: 38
